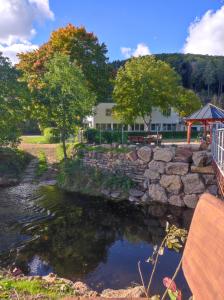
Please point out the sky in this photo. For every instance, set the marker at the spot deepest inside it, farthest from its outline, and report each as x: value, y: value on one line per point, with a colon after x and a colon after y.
x: 127, y: 27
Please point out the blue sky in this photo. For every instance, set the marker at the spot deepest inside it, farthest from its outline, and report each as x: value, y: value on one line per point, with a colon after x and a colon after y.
x: 157, y: 26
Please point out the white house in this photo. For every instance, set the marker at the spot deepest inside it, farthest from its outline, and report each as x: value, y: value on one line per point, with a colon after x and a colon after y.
x: 102, y: 119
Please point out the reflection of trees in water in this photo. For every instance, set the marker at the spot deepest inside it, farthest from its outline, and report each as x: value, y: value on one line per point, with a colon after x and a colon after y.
x: 77, y: 239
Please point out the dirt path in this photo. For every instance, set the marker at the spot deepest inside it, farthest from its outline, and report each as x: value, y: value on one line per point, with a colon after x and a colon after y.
x: 35, y: 149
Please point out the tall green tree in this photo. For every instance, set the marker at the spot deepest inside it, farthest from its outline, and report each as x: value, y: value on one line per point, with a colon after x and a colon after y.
x: 13, y: 95
x: 142, y: 84
x: 65, y: 97
x: 209, y: 75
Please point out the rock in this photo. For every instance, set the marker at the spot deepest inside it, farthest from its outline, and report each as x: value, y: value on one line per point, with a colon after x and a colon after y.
x: 145, y: 153
x: 114, y: 145
x: 115, y: 194
x: 200, y: 158
x: 212, y: 189
x: 145, y: 197
x: 157, y: 193
x: 172, y: 183
x: 183, y: 154
x: 177, y: 168
x: 132, y: 156
x: 136, y: 193
x: 133, y: 199
x: 155, y: 168
x: 191, y: 200
x: 209, y: 179
x: 6, y: 182
x: 176, y: 200
x: 106, y: 146
x: 50, y: 278
x: 193, y: 184
x: 202, y: 170
x: 81, y: 289
x: 157, y: 210
x: 134, y: 292
x: 164, y: 154
x: 105, y: 192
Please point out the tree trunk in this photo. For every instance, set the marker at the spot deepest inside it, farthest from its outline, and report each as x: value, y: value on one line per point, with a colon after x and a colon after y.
x: 64, y: 145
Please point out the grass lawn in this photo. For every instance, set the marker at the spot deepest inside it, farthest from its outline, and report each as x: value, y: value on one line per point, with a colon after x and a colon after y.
x: 34, y: 139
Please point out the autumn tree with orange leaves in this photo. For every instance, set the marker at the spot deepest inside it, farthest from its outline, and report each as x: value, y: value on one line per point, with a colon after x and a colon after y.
x: 82, y: 47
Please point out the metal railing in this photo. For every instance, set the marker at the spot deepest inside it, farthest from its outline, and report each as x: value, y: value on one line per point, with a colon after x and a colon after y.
x: 217, y: 147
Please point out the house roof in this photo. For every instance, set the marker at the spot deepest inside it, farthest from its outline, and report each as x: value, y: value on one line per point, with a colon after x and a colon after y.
x: 208, y: 112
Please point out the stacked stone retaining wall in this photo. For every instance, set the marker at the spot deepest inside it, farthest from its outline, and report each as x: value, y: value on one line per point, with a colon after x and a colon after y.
x: 171, y: 174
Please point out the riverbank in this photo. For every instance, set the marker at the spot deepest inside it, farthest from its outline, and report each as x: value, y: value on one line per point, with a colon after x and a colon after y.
x: 12, y: 165
x: 54, y: 287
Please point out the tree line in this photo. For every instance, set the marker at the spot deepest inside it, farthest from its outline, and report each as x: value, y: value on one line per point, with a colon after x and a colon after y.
x: 58, y: 84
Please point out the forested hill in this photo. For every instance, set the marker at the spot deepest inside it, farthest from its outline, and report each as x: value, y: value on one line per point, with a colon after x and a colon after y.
x: 202, y: 73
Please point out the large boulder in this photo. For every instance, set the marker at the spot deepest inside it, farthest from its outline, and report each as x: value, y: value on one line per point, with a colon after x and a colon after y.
x: 191, y: 200
x: 209, y: 179
x: 132, y: 155
x: 155, y: 169
x: 200, y: 158
x: 176, y: 200
x: 164, y: 154
x: 157, y: 193
x: 177, y: 168
x: 183, y: 154
x: 145, y: 153
x: 193, y: 184
x: 172, y: 183
x: 202, y: 170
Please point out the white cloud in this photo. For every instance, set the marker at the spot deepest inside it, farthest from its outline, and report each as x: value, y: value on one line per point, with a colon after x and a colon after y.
x: 140, y: 50
x: 206, y: 35
x: 12, y: 50
x: 17, y: 24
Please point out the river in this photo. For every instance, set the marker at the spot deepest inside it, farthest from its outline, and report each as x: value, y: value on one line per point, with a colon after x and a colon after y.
x: 100, y: 242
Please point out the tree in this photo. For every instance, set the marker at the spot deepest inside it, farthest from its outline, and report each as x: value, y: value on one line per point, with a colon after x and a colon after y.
x: 141, y: 84
x: 187, y: 103
x: 209, y: 75
x: 81, y: 46
x: 65, y: 96
x: 12, y: 102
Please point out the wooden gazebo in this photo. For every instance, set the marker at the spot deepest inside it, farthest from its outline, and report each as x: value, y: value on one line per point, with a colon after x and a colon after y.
x: 207, y: 115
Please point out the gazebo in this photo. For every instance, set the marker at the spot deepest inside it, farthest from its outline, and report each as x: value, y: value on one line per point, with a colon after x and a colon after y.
x: 207, y: 115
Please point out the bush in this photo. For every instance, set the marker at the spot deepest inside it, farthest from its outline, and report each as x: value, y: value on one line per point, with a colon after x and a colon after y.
x: 52, y: 135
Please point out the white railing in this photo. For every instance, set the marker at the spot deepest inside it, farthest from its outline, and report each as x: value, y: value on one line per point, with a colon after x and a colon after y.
x: 217, y: 146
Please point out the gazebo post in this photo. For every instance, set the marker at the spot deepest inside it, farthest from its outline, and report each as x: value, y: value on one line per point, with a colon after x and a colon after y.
x: 205, y: 129
x: 189, y: 132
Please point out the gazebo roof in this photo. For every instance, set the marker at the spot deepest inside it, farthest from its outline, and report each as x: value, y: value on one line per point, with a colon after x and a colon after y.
x: 209, y: 112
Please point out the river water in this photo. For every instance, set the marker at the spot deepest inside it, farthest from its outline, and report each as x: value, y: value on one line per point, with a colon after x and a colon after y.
x: 45, y: 230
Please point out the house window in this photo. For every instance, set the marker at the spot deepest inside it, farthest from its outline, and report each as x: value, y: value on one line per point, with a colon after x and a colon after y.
x: 108, y: 126
x: 108, y: 112
x: 155, y: 127
x: 137, y: 127
x: 174, y: 127
x: 97, y: 126
x: 166, y: 112
x: 142, y: 127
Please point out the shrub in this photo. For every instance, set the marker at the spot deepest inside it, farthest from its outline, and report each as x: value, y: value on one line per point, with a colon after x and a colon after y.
x: 52, y: 135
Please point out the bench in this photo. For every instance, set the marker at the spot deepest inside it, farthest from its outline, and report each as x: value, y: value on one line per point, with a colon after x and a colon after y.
x: 138, y: 139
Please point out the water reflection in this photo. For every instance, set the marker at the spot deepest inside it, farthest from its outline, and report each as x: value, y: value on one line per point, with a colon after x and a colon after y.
x: 98, y: 241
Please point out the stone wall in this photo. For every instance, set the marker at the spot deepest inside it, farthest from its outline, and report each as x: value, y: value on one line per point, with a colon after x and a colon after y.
x: 172, y: 175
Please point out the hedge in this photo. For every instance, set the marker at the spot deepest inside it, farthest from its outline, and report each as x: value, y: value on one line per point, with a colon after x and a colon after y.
x: 95, y: 136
